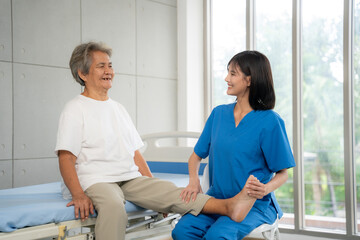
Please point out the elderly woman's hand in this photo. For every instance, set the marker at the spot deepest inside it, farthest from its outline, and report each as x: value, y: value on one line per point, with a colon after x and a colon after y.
x: 191, y: 191
x: 83, y: 205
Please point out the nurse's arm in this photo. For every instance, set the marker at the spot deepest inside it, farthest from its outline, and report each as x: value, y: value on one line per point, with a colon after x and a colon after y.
x: 142, y: 165
x: 259, y: 190
x: 194, y: 187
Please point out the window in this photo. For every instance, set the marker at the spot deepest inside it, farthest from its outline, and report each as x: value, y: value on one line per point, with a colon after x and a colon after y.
x: 323, y: 113
x: 228, y: 37
x: 273, y: 38
x: 322, y: 79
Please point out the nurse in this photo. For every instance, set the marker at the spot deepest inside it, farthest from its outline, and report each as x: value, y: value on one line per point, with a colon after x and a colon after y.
x: 241, y: 139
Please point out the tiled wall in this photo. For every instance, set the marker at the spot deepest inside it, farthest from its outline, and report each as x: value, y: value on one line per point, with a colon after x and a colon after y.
x: 36, y: 41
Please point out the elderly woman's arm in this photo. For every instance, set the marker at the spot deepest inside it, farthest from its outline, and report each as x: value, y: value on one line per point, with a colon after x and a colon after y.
x: 81, y: 202
x: 259, y: 190
x: 142, y: 165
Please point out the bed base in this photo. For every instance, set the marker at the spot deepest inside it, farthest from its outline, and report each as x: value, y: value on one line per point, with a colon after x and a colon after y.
x: 140, y: 225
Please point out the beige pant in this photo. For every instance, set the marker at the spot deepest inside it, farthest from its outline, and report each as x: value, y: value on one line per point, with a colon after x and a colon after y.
x: 152, y: 193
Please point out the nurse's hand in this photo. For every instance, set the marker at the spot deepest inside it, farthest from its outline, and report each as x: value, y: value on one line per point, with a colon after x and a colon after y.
x: 256, y: 189
x: 83, y: 205
x: 191, y: 191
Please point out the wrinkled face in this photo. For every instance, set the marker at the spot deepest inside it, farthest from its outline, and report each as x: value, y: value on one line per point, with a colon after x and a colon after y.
x: 100, y: 73
x: 237, y: 81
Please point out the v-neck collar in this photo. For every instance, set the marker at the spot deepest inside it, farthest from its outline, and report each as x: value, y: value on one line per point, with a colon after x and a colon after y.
x: 243, y: 120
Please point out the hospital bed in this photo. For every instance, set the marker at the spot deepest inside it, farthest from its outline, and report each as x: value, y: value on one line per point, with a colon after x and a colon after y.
x: 40, y: 212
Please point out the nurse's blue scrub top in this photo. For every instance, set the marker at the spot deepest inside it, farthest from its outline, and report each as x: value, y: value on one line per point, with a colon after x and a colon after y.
x: 257, y: 146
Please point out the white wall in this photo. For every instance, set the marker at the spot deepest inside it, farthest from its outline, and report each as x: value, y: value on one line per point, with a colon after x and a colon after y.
x: 36, y: 41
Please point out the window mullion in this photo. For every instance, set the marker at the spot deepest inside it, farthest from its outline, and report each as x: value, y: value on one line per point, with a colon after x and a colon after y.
x: 350, y: 191
x: 299, y: 200
x: 250, y: 24
x: 208, y: 102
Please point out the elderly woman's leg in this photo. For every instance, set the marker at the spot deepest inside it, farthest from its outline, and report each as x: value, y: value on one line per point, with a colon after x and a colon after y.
x: 164, y: 196
x: 160, y: 195
x: 108, y: 200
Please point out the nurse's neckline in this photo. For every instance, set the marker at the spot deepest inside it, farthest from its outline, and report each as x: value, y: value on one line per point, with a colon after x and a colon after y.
x: 242, y: 114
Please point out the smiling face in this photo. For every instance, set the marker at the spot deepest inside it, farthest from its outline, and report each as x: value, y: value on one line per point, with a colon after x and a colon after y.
x: 99, y: 79
x: 238, y: 82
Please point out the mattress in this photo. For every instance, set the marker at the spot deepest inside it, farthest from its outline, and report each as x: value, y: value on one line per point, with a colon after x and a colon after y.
x: 42, y: 204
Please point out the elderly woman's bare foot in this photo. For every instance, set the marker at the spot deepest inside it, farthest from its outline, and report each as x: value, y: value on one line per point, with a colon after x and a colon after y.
x: 241, y: 204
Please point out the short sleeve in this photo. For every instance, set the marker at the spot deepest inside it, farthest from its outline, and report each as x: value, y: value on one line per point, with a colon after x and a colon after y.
x: 70, y: 131
x: 137, y: 141
x: 202, y: 146
x: 275, y: 146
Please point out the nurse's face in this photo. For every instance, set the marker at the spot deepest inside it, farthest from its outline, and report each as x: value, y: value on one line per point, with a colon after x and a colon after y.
x: 238, y: 83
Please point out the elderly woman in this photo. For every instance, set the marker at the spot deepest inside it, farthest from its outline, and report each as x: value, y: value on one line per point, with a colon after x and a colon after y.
x: 99, y: 160
x: 242, y: 138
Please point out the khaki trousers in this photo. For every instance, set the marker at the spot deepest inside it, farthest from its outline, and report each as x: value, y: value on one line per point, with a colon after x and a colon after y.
x: 152, y: 193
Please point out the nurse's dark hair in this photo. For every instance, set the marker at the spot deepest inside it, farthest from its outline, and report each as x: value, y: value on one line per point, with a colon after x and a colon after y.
x: 81, y: 58
x: 257, y: 66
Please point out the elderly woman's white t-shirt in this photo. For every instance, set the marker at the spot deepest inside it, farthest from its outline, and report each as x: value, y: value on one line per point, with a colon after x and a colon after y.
x: 102, y: 137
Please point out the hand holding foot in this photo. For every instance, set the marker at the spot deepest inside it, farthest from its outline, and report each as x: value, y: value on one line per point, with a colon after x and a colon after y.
x: 256, y: 189
x: 241, y: 204
x: 236, y: 207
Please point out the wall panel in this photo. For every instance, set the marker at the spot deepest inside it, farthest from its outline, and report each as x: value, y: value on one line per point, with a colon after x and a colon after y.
x: 5, y: 174
x: 156, y: 40
x: 112, y: 22
x: 6, y: 116
x: 5, y: 30
x: 123, y: 91
x: 167, y: 2
x: 36, y: 171
x: 40, y: 94
x: 45, y: 31
x: 157, y: 105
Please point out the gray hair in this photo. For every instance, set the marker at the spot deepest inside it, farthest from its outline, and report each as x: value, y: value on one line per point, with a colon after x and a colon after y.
x: 81, y: 58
